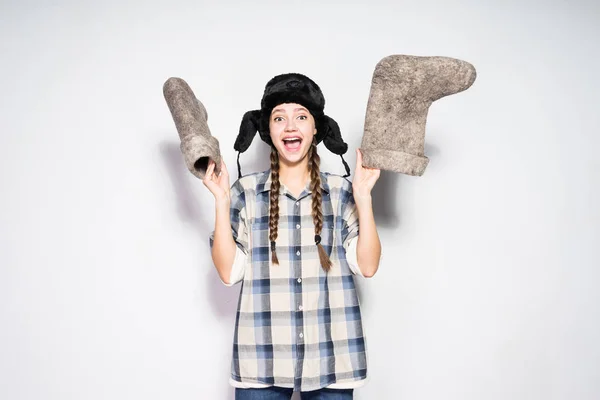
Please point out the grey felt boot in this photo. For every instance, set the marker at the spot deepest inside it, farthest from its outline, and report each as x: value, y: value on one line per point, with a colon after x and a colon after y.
x: 402, y: 89
x: 189, y: 114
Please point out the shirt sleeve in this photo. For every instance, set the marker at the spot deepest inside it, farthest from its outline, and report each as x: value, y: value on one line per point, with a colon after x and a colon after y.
x: 239, y: 231
x: 350, y: 227
x: 349, y: 214
x: 238, y: 269
x: 352, y: 257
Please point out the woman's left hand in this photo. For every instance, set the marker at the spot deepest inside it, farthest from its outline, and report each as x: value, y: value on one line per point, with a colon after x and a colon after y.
x: 364, y: 179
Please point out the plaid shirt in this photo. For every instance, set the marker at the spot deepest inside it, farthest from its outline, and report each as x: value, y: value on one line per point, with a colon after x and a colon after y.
x: 296, y: 326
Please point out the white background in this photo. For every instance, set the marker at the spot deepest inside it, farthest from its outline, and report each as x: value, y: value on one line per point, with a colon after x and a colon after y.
x: 488, y: 286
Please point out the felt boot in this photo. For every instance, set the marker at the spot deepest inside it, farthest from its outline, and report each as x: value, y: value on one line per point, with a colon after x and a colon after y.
x: 402, y: 89
x: 190, y: 116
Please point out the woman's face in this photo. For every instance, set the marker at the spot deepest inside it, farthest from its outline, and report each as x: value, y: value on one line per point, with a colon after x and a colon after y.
x: 292, y: 130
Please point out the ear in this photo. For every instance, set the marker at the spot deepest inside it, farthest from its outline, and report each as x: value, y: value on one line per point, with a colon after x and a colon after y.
x: 333, y: 137
x: 248, y: 128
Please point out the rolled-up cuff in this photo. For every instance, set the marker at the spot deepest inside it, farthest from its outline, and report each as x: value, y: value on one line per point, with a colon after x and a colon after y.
x: 197, y: 151
x: 396, y: 161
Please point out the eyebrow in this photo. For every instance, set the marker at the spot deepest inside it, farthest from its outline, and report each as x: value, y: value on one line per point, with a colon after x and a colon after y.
x: 282, y: 110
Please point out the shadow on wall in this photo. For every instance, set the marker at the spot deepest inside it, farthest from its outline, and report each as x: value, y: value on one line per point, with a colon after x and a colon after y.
x: 386, y: 194
x: 191, y: 212
x: 385, y: 200
x: 189, y: 209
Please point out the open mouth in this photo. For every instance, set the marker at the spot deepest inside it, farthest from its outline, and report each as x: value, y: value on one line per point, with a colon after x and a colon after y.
x: 292, y: 143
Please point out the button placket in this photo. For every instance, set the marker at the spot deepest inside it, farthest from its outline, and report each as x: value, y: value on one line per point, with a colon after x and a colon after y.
x: 297, y: 249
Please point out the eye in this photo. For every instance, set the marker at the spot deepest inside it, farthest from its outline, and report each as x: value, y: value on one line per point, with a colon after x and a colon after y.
x: 302, y: 117
x: 278, y: 119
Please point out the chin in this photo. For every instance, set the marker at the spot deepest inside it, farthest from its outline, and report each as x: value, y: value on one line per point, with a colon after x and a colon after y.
x: 293, y: 158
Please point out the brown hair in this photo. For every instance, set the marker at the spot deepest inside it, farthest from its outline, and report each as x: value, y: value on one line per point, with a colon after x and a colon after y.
x: 274, y: 203
x: 314, y: 162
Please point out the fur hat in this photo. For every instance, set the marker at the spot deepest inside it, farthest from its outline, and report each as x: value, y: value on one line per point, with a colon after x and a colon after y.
x: 291, y: 88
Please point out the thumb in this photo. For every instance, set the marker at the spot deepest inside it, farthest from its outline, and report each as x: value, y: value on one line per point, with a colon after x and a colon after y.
x: 359, y: 162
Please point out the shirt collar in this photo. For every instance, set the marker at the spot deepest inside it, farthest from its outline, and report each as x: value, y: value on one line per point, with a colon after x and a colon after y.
x: 264, y: 182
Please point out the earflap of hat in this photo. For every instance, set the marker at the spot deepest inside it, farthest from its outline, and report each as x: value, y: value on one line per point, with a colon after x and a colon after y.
x: 333, y: 137
x: 248, y: 128
x: 334, y: 142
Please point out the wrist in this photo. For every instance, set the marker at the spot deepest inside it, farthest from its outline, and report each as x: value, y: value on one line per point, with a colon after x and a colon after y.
x: 364, y: 208
x: 223, y: 203
x: 363, y: 200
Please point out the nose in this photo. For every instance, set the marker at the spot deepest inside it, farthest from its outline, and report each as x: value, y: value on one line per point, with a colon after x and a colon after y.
x: 290, y: 126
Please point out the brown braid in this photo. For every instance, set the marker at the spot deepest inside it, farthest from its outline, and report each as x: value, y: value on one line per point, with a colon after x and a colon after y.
x: 314, y: 162
x: 274, y: 204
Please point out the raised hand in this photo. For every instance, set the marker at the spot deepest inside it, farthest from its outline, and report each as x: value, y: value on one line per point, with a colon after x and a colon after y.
x: 364, y: 179
x: 218, y: 185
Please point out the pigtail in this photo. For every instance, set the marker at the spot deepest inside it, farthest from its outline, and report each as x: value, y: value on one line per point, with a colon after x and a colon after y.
x: 274, y: 204
x: 314, y: 162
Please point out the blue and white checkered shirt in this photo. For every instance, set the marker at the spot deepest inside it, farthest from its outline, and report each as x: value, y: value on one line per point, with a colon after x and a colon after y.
x: 296, y: 325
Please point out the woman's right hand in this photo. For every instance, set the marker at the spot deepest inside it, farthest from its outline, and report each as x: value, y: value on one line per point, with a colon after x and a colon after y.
x: 218, y: 185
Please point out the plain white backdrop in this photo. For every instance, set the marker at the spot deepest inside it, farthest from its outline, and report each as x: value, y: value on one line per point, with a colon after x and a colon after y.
x: 488, y: 285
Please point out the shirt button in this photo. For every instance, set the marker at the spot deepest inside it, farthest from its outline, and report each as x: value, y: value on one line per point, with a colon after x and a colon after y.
x: 298, y: 226
x: 300, y: 307
x: 301, y: 335
x: 299, y: 280
x: 298, y: 253
x: 297, y: 203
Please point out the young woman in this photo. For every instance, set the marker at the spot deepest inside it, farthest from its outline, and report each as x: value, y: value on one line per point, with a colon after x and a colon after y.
x: 291, y: 236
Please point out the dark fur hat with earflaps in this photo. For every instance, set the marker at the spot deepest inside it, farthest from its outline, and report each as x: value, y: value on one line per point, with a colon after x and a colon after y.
x: 291, y: 88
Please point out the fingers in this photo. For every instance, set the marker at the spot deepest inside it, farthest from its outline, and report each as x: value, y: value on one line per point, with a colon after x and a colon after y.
x: 209, y: 170
x: 209, y: 175
x: 359, y: 163
x: 359, y: 167
x: 224, y: 168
